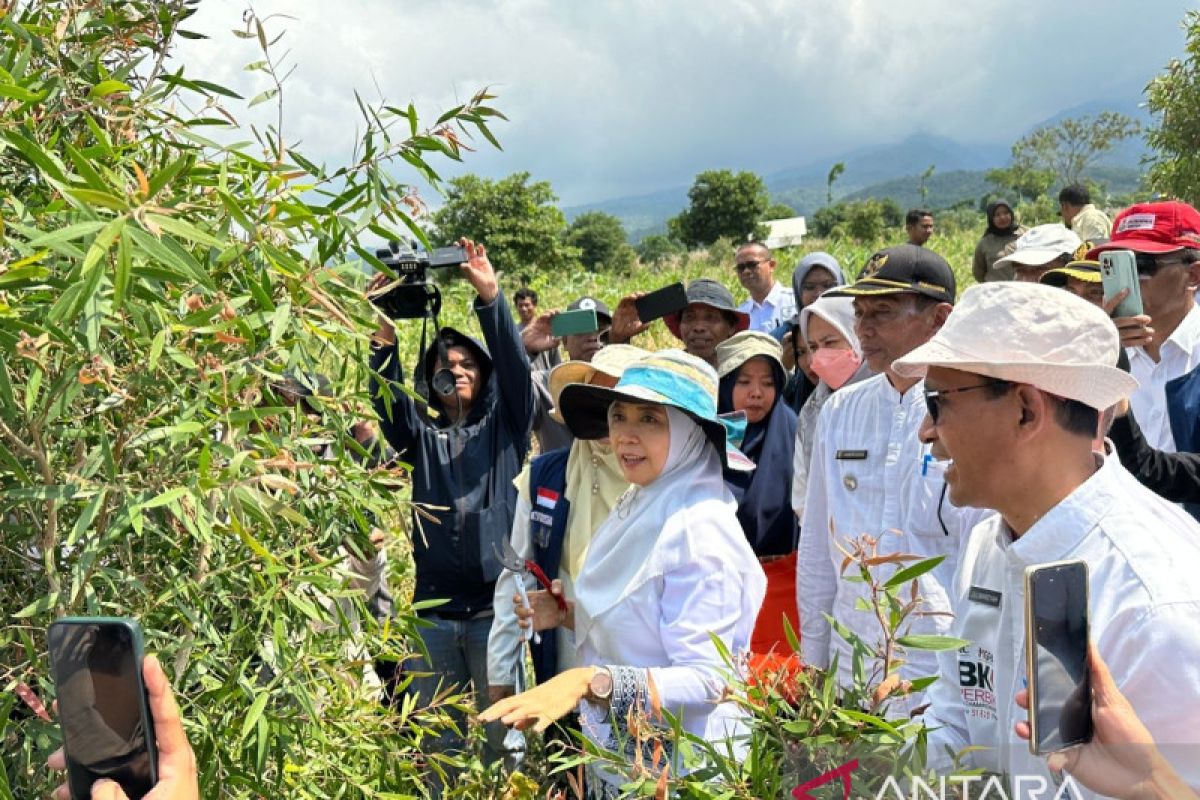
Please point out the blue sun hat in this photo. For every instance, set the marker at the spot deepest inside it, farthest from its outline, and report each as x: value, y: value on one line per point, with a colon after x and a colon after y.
x: 670, y: 378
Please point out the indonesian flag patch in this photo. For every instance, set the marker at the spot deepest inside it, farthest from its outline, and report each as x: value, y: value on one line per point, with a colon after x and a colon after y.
x: 547, y: 498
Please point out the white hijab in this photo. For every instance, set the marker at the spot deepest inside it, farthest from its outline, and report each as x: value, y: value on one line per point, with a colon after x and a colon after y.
x: 656, y: 528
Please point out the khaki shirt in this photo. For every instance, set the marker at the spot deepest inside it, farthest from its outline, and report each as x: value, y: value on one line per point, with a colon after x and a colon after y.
x: 1091, y: 224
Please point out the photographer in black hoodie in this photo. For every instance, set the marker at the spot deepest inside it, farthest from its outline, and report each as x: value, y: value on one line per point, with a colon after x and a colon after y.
x: 464, y: 454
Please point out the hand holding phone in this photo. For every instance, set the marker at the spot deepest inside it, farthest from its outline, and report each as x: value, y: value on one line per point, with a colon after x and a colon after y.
x: 1118, y: 270
x: 1056, y: 656
x: 581, y: 320
x: 108, y: 731
x: 661, y: 302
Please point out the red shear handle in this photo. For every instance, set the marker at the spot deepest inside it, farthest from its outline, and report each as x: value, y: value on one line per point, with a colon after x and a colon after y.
x: 546, y: 584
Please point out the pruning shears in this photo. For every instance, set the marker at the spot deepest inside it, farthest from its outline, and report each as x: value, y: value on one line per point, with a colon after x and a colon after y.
x: 512, y: 561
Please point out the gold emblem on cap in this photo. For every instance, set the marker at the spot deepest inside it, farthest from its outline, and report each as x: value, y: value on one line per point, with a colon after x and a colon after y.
x: 873, y: 265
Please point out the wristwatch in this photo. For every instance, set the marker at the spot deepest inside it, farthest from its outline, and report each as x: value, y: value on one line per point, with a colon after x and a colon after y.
x: 600, y: 687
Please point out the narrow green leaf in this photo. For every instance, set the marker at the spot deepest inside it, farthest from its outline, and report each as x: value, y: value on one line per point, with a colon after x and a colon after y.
x: 35, y: 155
x: 123, y: 273
x: 101, y: 244
x: 931, y: 642
x: 21, y: 93
x: 165, y: 497
x: 67, y: 234
x: 263, y: 97
x: 156, y: 348
x: 185, y: 230
x: 912, y: 571
x: 105, y: 88
x: 104, y: 199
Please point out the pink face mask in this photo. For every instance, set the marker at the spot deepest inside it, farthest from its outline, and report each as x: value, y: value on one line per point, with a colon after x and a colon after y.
x: 835, y: 366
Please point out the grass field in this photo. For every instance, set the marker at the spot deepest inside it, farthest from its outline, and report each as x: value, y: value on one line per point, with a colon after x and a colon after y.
x: 557, y: 290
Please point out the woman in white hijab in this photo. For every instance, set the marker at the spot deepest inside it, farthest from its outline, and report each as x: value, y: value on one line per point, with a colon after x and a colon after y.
x: 827, y: 327
x: 669, y: 569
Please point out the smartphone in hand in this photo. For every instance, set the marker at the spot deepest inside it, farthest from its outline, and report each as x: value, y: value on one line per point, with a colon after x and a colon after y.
x: 1118, y: 270
x: 1056, y: 656
x: 102, y: 704
x: 661, y: 302
x: 581, y: 320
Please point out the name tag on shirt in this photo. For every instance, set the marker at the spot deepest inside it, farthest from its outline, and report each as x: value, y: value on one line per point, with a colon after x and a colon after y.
x: 542, y: 518
x: 851, y: 455
x: 978, y: 594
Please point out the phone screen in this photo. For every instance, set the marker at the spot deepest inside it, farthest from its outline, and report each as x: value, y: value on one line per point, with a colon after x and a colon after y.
x: 1062, y: 695
x: 100, y: 707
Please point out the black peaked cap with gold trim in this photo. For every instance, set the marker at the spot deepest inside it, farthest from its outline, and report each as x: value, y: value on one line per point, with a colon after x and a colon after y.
x: 903, y: 269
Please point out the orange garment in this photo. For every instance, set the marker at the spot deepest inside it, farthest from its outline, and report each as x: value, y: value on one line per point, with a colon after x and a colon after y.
x: 780, y: 602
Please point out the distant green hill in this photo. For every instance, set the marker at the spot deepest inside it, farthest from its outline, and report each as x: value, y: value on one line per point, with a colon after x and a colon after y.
x: 887, y: 170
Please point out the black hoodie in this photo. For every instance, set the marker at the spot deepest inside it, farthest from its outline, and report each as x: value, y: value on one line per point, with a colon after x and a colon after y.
x: 468, y: 468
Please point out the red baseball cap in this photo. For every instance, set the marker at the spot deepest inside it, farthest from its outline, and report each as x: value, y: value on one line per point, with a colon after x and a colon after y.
x: 1160, y: 227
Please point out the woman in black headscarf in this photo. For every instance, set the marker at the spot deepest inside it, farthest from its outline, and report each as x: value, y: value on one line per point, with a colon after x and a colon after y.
x: 752, y: 380
x: 1002, y: 230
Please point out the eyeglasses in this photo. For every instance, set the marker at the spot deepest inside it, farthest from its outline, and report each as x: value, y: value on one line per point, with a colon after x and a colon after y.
x: 1149, y: 264
x: 747, y: 266
x: 933, y: 396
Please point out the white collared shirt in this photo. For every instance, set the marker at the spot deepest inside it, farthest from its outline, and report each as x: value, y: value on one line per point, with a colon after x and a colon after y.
x: 1143, y: 556
x: 870, y: 474
x: 1179, y: 355
x: 778, y: 307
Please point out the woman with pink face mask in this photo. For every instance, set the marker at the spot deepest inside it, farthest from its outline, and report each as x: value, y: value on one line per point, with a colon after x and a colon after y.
x: 827, y: 326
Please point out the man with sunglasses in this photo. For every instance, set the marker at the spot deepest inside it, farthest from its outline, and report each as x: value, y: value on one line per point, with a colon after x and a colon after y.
x: 1165, y: 237
x: 1016, y: 383
x: 871, y: 475
x: 771, y: 303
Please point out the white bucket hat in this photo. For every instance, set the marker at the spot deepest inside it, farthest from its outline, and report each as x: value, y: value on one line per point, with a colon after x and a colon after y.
x: 1043, y: 243
x: 1029, y: 333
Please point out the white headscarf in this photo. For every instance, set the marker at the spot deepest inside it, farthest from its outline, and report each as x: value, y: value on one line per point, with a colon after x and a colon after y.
x: 838, y: 312
x: 656, y: 528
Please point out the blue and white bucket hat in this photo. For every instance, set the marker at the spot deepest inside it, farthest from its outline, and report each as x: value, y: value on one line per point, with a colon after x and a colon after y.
x: 669, y: 378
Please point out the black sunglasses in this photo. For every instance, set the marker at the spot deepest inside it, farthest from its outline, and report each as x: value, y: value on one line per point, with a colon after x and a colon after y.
x: 747, y: 266
x: 932, y: 396
x: 1149, y: 264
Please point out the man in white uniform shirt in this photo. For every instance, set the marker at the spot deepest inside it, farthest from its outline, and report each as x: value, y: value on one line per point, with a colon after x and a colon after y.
x: 1166, y: 238
x: 1015, y: 382
x: 771, y: 303
x: 871, y: 475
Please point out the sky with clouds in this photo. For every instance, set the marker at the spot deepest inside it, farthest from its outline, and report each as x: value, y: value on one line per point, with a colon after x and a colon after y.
x: 615, y: 97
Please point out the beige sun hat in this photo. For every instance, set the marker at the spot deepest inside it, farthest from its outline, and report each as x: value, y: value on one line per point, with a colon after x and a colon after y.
x: 1042, y: 244
x: 743, y: 346
x: 610, y: 360
x: 1029, y: 333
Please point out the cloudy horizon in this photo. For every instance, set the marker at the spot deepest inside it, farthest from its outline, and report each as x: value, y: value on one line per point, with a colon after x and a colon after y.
x: 615, y: 97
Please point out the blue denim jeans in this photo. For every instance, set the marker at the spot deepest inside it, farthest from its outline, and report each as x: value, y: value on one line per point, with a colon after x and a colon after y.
x: 457, y: 657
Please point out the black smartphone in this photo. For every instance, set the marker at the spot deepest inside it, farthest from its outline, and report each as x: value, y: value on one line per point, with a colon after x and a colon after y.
x: 102, y: 705
x: 448, y: 256
x: 1056, y: 656
x: 661, y: 302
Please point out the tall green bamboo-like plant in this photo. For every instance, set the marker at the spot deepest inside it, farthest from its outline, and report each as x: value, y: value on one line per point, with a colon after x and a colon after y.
x: 155, y: 284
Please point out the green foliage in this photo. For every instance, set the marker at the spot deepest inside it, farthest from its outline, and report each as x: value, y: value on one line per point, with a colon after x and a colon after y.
x: 722, y: 203
x: 779, y: 211
x: 523, y: 228
x: 861, y: 220
x: 154, y: 287
x: 600, y: 239
x: 1174, y: 99
x: 656, y: 249
x: 1059, y: 154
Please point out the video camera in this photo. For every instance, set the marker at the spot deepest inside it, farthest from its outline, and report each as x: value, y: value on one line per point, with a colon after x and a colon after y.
x: 411, y: 295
